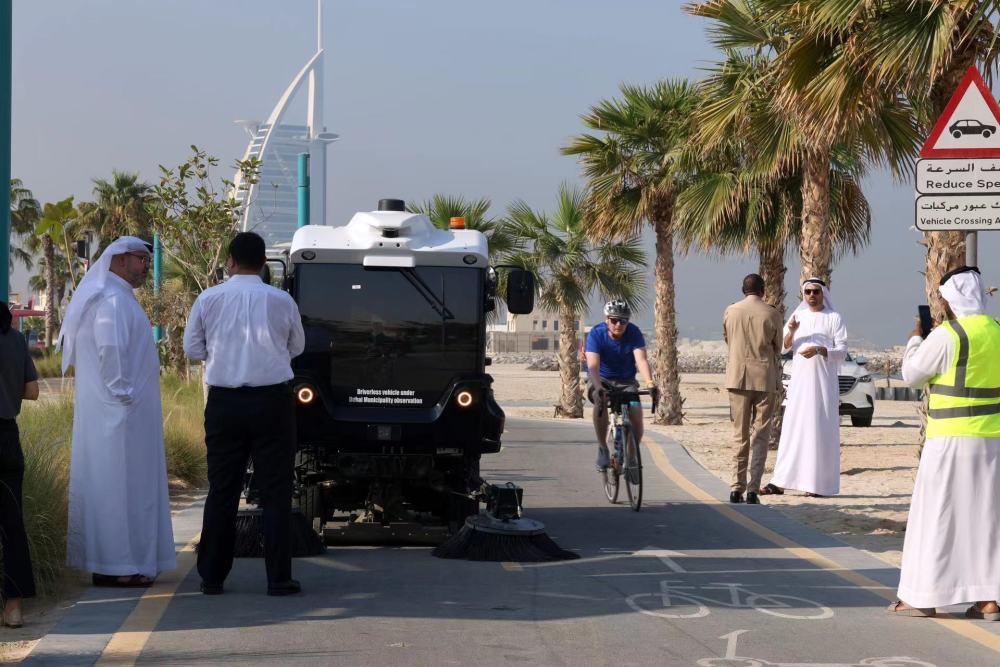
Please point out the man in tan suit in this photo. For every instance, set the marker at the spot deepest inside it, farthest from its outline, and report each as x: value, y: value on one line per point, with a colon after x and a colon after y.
x: 752, y: 330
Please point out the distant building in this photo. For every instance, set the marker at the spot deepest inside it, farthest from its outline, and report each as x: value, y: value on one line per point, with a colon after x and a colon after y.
x: 270, y: 207
x: 536, y: 333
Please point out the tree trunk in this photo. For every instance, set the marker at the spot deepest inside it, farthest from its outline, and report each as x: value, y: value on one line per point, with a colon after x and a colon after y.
x: 816, y: 250
x: 772, y: 270
x: 945, y: 251
x: 670, y: 410
x: 571, y: 401
x: 48, y: 249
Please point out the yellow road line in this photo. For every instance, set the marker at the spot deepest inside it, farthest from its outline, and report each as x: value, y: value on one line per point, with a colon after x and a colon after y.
x: 956, y: 624
x: 511, y: 566
x: 127, y: 644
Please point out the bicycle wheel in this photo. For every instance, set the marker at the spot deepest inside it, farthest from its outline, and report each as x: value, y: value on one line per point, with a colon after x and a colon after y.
x: 610, y: 474
x: 632, y: 471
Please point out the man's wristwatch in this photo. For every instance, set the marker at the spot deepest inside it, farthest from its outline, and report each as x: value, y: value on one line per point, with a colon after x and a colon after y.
x: 650, y: 384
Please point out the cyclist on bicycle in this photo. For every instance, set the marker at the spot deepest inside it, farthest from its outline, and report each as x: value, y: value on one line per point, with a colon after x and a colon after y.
x: 615, y: 350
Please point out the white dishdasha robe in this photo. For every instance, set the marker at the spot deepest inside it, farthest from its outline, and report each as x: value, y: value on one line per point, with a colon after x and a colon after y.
x: 809, y: 448
x: 119, y: 508
x: 951, y: 552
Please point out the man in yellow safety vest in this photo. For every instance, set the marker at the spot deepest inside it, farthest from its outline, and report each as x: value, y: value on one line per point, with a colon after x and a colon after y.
x: 951, y: 554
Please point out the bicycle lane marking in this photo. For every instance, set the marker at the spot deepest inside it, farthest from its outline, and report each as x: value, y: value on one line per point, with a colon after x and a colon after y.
x: 128, y: 642
x: 772, y: 602
x: 959, y: 626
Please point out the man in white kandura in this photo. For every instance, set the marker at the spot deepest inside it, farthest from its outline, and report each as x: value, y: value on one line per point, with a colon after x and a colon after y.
x: 119, y: 509
x: 951, y: 554
x: 809, y: 448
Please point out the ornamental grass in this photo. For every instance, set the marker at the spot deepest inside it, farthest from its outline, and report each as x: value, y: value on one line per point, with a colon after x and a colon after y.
x: 46, y: 427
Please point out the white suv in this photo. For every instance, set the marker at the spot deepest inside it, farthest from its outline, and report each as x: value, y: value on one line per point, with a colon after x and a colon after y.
x: 857, y: 389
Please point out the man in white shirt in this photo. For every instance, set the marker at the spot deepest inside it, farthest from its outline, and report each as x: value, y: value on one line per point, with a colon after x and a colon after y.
x: 247, y: 333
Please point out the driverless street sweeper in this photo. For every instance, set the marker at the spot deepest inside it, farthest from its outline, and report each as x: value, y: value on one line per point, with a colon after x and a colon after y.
x: 394, y: 405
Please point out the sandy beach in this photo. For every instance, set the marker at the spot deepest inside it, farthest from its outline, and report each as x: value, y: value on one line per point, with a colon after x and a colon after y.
x: 878, y: 463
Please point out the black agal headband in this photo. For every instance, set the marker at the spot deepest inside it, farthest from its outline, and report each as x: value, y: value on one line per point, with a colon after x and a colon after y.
x: 955, y: 272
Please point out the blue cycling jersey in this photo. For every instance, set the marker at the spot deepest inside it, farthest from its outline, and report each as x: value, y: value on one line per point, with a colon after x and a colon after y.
x: 617, y: 356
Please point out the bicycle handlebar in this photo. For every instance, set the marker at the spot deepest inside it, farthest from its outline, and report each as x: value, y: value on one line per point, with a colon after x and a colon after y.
x: 610, y: 392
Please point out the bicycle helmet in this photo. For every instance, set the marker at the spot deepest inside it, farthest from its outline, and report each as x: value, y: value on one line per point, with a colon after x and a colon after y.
x: 617, y: 308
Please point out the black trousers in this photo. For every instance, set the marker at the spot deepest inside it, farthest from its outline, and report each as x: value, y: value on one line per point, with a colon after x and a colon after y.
x: 257, y: 421
x: 18, y: 581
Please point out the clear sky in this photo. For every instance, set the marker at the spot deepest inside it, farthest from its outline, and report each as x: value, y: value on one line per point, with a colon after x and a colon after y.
x: 435, y: 96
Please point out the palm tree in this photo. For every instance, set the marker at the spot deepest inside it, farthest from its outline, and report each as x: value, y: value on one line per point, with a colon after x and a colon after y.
x: 24, y: 213
x: 634, y: 176
x: 742, y: 199
x: 119, y: 207
x: 54, y: 229
x: 780, y: 116
x: 442, y: 208
x: 919, y: 50
x: 569, y: 269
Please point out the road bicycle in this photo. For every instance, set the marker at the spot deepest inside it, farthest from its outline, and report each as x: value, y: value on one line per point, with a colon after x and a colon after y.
x: 626, y: 460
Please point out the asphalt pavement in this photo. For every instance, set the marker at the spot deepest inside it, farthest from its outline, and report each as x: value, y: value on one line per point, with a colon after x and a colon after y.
x: 688, y: 580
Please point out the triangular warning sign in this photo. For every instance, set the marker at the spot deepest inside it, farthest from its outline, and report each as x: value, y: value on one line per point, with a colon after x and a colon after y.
x: 969, y: 126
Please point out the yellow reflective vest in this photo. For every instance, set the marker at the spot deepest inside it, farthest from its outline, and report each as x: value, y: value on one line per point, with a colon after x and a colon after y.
x: 965, y: 399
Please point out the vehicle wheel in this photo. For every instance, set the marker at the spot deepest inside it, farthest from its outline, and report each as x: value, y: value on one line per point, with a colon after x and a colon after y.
x: 861, y: 420
x: 457, y: 508
x: 311, y: 504
x: 632, y: 472
x: 956, y: 134
x: 986, y: 134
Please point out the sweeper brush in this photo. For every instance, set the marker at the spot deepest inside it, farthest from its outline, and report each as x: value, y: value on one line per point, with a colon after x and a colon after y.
x: 501, y: 534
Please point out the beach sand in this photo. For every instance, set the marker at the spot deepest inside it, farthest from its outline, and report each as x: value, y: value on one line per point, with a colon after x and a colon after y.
x: 878, y: 463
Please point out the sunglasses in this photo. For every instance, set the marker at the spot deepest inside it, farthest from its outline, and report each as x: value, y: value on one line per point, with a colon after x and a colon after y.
x: 812, y: 291
x: 618, y: 320
x: 144, y: 258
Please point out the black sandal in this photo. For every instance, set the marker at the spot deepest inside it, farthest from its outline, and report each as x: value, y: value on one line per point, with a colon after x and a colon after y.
x: 772, y: 490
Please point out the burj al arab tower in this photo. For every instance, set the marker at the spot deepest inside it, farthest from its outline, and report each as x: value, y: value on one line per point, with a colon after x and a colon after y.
x: 270, y: 205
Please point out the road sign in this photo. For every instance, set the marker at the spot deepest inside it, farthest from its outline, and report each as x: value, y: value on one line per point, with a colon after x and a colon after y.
x: 968, y: 213
x: 958, y: 177
x: 969, y: 125
x: 958, y: 181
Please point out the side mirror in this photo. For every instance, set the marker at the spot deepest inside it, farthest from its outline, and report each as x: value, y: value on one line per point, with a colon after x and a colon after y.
x: 520, y: 292
x: 861, y: 361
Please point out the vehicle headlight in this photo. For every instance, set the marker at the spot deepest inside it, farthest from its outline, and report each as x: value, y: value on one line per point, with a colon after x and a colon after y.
x: 464, y: 398
x: 865, y: 378
x: 305, y: 394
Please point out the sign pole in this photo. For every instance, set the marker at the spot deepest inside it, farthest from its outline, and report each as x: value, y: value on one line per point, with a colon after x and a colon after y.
x: 971, y: 249
x: 5, y: 93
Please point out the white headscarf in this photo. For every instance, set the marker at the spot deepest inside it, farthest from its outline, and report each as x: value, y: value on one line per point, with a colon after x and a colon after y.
x: 827, y: 301
x: 964, y: 293
x: 91, y: 287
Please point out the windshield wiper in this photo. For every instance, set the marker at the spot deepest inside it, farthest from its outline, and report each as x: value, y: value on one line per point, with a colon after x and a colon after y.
x: 429, y: 296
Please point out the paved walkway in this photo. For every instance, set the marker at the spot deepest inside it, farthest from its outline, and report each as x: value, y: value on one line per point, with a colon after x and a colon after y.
x: 689, y: 580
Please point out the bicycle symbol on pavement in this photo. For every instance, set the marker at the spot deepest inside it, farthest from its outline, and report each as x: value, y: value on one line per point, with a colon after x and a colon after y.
x: 675, y: 601
x: 734, y: 660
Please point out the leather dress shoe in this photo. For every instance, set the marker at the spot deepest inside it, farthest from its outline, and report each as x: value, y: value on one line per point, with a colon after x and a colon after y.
x: 211, y: 589
x: 752, y: 498
x: 290, y: 587
x: 736, y: 497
